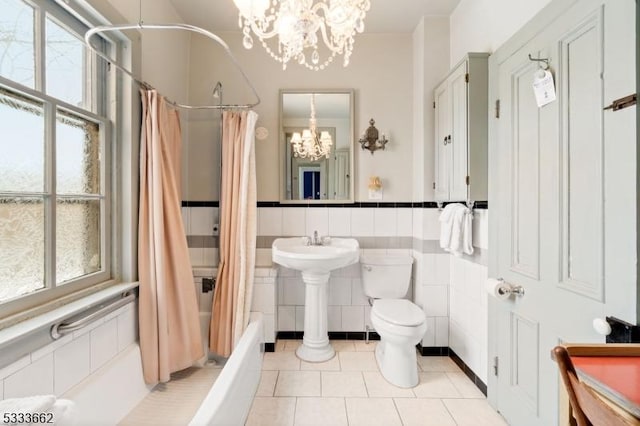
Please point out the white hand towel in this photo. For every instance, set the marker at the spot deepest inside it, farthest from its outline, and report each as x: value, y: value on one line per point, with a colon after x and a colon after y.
x: 467, y: 241
x: 446, y: 224
x: 456, y: 229
x: 28, y: 404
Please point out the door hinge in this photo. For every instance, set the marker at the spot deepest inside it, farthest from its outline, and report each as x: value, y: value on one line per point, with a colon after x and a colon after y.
x: 497, y: 108
x: 495, y: 365
x: 434, y: 104
x: 434, y: 185
x: 622, y: 103
x: 466, y: 78
x: 467, y: 180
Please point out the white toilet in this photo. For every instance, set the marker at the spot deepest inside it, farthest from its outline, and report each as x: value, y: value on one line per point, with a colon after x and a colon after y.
x: 400, y: 323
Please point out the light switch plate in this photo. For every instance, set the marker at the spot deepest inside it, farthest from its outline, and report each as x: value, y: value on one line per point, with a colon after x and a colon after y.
x: 375, y: 194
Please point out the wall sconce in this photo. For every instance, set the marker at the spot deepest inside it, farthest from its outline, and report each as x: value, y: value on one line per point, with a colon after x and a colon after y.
x: 369, y: 139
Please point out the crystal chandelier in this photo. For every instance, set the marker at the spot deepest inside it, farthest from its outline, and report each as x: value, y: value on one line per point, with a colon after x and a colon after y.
x: 300, y: 24
x: 309, y: 145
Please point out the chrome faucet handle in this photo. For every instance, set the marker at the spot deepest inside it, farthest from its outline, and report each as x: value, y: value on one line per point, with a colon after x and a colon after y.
x: 326, y: 240
x: 306, y: 241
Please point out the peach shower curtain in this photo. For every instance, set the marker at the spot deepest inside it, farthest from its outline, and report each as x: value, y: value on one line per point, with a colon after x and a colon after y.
x: 234, y: 284
x: 170, y: 338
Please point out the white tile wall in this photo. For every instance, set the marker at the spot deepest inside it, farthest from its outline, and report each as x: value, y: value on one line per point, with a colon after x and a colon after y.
x: 286, y: 318
x: 431, y: 225
x: 127, y: 327
x: 294, y: 221
x: 186, y: 220
x: 317, y: 220
x: 196, y: 254
x: 340, y: 222
x: 104, y: 344
x: 334, y: 319
x: 362, y: 222
x: 417, y: 223
x: 429, y: 338
x: 201, y: 220
x: 72, y: 363
x: 60, y: 365
x: 468, y: 326
x: 436, y: 300
x: 352, y: 318
x: 340, y: 290
x: 404, y: 222
x: 299, y: 325
x: 270, y: 222
x: 385, y: 222
x: 34, y: 379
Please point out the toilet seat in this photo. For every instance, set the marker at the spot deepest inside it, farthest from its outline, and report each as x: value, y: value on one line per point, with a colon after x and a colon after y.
x: 398, y: 312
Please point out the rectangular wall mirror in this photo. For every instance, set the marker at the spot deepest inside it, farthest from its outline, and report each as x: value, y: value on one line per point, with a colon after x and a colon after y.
x: 316, y: 166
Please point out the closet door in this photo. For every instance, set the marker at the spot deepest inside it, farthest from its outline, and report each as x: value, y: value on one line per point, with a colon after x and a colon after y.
x: 458, y: 141
x: 442, y: 146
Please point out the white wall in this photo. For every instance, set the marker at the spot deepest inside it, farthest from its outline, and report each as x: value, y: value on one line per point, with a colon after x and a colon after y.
x: 165, y: 54
x: 380, y: 72
x: 431, y: 65
x: 483, y: 25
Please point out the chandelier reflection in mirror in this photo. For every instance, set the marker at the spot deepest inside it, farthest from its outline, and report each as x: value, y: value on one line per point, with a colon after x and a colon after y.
x: 311, y: 145
x: 300, y: 24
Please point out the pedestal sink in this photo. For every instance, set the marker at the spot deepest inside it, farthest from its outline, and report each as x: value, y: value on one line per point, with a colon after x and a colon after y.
x: 316, y: 263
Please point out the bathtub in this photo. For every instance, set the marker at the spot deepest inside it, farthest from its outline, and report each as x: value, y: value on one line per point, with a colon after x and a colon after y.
x: 101, y: 399
x: 229, y: 400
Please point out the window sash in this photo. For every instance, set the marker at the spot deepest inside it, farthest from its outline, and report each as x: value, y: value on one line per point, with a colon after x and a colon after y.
x: 100, y: 104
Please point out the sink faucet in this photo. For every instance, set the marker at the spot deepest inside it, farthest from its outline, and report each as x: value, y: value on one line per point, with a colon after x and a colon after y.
x: 316, y: 241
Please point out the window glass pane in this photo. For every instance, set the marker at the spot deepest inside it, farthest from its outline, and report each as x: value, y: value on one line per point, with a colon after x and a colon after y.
x: 65, y: 65
x: 22, y: 247
x: 78, y: 238
x: 21, y: 144
x: 17, y: 59
x: 77, y: 155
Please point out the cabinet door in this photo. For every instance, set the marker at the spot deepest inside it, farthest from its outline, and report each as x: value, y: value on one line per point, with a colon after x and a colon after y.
x: 458, y: 141
x: 442, y: 146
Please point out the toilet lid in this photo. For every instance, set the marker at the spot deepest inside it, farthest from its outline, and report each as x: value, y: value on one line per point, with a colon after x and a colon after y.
x: 398, y: 312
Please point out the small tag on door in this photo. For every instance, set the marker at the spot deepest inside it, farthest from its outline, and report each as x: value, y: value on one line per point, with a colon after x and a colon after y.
x: 544, y: 88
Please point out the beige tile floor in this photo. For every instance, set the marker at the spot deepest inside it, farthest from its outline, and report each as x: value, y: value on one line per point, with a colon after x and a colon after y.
x: 349, y: 390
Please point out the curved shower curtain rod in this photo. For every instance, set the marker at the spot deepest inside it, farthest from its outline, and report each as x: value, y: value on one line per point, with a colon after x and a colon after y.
x: 187, y: 27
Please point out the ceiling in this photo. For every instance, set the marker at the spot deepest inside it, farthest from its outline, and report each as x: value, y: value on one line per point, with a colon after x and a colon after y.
x: 385, y: 16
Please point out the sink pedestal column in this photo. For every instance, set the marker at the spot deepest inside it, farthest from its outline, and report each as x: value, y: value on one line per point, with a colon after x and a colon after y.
x: 315, y: 344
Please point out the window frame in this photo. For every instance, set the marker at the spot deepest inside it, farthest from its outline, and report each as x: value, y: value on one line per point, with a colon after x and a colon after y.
x: 103, y: 111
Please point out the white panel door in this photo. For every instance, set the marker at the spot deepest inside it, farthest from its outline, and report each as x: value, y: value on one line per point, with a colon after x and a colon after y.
x: 442, y: 146
x: 458, y: 137
x: 555, y: 235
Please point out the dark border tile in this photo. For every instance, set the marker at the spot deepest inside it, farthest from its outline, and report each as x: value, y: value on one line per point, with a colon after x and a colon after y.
x: 333, y: 335
x: 470, y: 374
x: 356, y: 205
x: 186, y: 203
x: 433, y: 350
x: 269, y: 347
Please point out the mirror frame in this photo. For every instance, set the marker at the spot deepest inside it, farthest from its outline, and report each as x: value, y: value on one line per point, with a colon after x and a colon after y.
x: 282, y: 147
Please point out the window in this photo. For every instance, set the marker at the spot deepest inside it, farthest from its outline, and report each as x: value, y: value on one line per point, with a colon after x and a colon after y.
x: 55, y: 213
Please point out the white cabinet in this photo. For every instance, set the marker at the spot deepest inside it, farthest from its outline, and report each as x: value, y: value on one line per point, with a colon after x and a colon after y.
x: 461, y: 122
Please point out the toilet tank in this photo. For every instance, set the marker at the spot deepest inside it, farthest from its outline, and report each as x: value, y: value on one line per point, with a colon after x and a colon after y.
x: 385, y: 276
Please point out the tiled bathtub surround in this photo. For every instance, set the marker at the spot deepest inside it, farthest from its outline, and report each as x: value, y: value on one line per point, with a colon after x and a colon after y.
x: 57, y: 367
x: 263, y: 299
x: 449, y: 289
